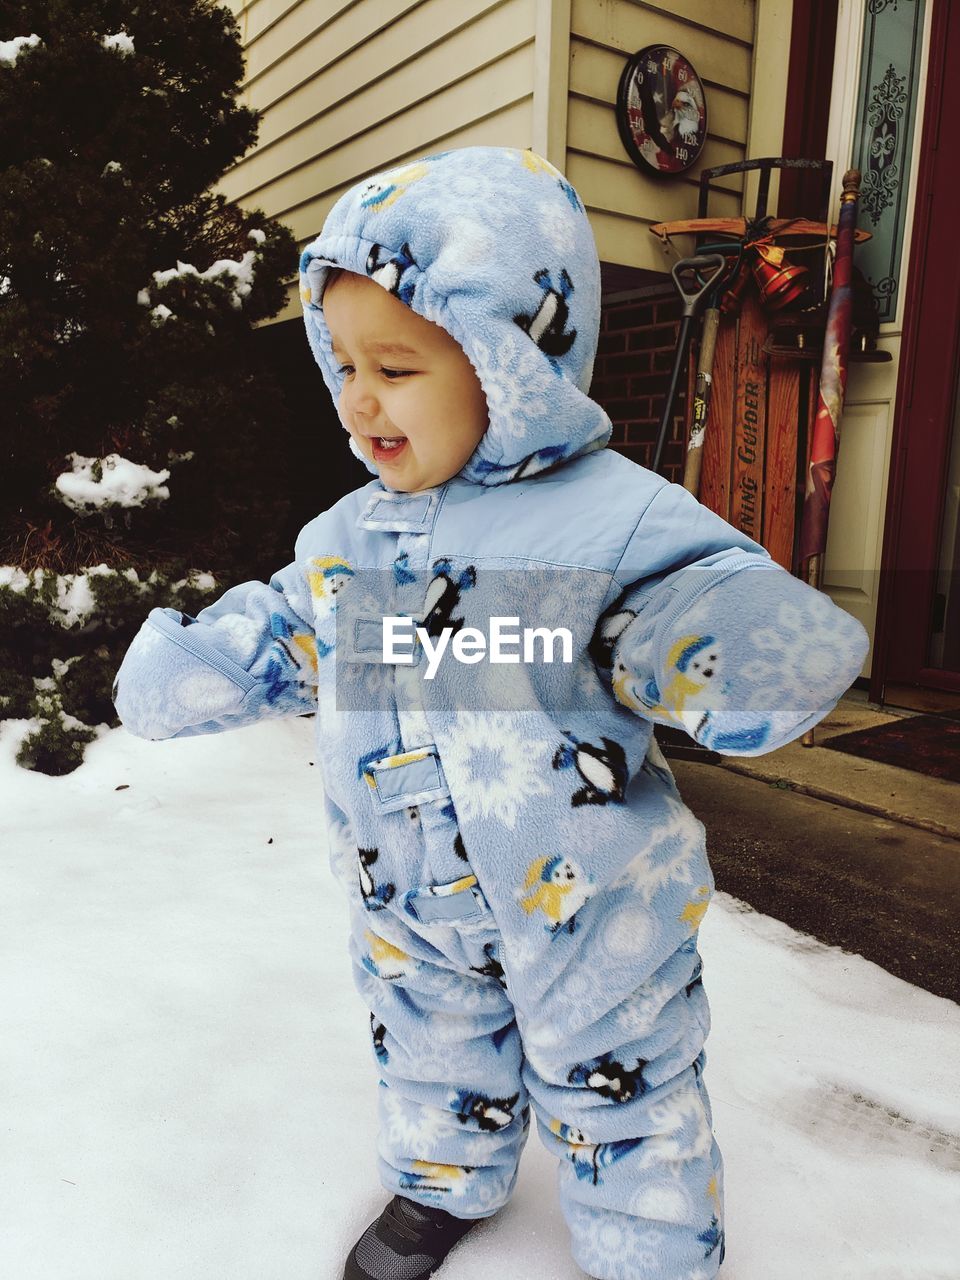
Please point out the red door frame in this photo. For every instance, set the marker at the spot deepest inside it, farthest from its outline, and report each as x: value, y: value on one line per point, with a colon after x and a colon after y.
x: 926, y: 389
x: 813, y: 39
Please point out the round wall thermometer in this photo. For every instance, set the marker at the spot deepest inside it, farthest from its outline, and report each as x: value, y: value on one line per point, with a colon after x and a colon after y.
x: 661, y: 110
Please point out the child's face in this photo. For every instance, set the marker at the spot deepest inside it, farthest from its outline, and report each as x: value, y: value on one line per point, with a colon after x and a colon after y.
x: 404, y: 378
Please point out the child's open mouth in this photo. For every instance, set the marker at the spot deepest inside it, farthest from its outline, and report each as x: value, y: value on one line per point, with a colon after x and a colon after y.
x: 386, y: 448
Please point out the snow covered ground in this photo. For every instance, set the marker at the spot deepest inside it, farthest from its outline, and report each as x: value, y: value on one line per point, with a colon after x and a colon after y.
x: 186, y: 1083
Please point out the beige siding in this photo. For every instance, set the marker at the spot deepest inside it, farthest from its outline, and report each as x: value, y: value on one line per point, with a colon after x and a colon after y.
x: 768, y: 93
x: 623, y: 202
x: 349, y: 88
x: 257, y: 16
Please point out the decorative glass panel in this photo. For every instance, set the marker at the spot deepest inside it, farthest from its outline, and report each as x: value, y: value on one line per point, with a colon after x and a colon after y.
x: 883, y: 142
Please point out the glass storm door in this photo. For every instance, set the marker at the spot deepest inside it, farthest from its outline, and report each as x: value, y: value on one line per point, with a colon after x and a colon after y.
x: 918, y: 624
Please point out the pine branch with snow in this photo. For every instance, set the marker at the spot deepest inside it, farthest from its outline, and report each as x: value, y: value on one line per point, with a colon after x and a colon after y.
x: 94, y: 483
x: 129, y: 290
x: 61, y: 636
x: 143, y: 426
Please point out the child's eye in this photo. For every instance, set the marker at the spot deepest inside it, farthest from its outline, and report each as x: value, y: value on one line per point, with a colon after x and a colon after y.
x: 346, y: 370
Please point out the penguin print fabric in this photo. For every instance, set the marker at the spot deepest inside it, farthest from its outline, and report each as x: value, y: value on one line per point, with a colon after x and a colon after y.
x: 524, y: 881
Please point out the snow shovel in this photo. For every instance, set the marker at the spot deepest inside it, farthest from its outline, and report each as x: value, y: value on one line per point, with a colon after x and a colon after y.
x: 703, y: 389
x: 693, y: 278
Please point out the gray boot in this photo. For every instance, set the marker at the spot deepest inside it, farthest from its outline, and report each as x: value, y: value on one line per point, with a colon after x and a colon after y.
x: 407, y: 1242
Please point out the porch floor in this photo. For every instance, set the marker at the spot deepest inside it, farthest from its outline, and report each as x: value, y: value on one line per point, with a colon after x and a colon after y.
x: 901, y: 795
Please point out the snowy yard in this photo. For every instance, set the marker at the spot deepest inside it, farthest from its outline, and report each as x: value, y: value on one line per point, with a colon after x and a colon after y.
x: 187, y: 1087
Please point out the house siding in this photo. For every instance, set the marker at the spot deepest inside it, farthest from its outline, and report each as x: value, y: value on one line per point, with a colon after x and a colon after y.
x: 624, y: 202
x: 347, y: 89
x: 350, y: 87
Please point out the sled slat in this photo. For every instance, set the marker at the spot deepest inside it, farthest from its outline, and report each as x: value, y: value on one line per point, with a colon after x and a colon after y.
x: 749, y: 421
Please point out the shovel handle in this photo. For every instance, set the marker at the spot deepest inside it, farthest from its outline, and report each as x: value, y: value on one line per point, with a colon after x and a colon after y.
x: 701, y: 401
x: 693, y: 270
x: 714, y: 264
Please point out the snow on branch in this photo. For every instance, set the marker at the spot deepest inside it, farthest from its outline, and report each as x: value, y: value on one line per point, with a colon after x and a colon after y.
x: 160, y: 314
x: 71, y: 599
x: 121, y: 43
x: 10, y: 50
x: 242, y: 273
x: 110, y: 481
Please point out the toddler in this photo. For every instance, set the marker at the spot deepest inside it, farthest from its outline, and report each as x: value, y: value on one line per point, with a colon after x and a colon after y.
x: 525, y: 883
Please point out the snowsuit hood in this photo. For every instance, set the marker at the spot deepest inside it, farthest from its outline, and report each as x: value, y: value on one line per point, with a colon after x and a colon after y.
x: 494, y: 245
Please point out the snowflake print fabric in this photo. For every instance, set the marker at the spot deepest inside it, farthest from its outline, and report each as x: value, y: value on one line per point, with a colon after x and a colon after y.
x: 524, y: 882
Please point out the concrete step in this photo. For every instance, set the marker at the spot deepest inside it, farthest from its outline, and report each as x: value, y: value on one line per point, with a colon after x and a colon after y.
x: 887, y: 890
x: 886, y: 791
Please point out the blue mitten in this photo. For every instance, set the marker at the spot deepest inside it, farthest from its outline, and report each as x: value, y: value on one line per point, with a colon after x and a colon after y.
x: 251, y: 654
x: 717, y: 639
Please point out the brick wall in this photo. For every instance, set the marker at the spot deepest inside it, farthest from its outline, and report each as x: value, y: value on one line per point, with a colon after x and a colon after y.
x: 638, y: 337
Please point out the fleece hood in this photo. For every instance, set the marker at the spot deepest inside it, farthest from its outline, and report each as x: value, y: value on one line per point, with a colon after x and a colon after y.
x: 494, y: 245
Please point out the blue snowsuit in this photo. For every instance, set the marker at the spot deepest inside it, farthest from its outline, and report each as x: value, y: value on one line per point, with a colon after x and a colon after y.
x: 525, y: 883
